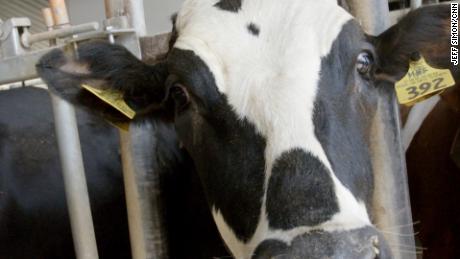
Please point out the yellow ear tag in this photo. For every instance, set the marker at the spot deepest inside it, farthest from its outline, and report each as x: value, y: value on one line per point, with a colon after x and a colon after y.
x: 114, y: 98
x: 422, y: 81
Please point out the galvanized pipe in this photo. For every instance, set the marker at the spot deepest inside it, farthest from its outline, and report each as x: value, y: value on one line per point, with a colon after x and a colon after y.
x: 133, y: 9
x: 74, y: 179
x: 391, y: 204
x: 139, y: 194
x: 114, y: 8
x: 414, y: 4
x: 373, y: 15
x: 29, y: 39
x: 71, y: 157
x: 135, y: 12
x: 132, y: 193
x: 60, y: 14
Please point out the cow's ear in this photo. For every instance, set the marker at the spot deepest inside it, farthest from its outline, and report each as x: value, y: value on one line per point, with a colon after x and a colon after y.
x: 426, y: 31
x: 103, y: 66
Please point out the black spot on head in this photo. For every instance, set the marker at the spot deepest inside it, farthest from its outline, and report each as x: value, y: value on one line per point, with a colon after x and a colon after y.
x: 300, y: 192
x: 254, y: 29
x: 229, y: 5
x: 270, y: 249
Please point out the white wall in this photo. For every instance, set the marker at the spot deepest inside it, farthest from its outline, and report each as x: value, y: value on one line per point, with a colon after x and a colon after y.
x: 82, y: 11
x: 157, y: 13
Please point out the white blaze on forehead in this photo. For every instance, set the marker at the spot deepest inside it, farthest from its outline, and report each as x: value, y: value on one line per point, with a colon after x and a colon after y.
x: 270, y: 79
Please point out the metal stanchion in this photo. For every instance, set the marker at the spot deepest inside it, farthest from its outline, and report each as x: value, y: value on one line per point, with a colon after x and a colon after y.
x: 70, y: 154
x: 141, y: 188
x: 414, y: 4
x: 391, y: 204
x: 135, y: 13
x: 373, y: 15
x: 74, y: 179
x: 136, y: 231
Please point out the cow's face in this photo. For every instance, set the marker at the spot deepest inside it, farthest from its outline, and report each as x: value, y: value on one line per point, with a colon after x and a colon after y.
x: 273, y: 100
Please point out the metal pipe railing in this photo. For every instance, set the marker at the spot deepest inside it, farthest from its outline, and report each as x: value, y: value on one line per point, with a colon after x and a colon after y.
x: 373, y: 15
x: 136, y: 16
x: 414, y: 4
x: 147, y: 239
x: 74, y: 179
x: 135, y: 219
x: 140, y: 191
x: 29, y: 39
x: 73, y: 171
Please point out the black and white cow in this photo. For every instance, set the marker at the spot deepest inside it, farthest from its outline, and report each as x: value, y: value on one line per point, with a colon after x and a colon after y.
x: 34, y: 222
x: 273, y: 100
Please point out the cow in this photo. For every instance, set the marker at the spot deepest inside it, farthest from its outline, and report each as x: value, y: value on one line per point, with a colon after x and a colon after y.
x: 34, y: 220
x: 434, y: 176
x: 273, y: 101
x: 432, y: 145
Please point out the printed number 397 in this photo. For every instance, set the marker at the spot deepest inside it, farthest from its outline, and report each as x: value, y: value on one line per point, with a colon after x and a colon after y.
x: 416, y: 91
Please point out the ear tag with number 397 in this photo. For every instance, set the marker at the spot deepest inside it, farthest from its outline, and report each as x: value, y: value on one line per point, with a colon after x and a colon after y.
x: 422, y: 81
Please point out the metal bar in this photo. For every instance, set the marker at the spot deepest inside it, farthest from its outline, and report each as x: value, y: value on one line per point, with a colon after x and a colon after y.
x: 20, y: 68
x: 114, y: 8
x: 135, y: 12
x: 391, y: 204
x: 29, y: 39
x: 373, y: 15
x: 74, y: 179
x: 38, y: 83
x: 73, y: 170
x: 60, y: 14
x: 136, y: 230
x: 143, y: 196
x: 414, y: 4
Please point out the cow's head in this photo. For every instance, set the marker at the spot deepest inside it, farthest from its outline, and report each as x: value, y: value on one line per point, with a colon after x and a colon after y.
x: 273, y: 100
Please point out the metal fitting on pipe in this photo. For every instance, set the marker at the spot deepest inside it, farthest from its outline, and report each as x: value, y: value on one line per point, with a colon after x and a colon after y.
x: 114, y: 8
x: 28, y: 39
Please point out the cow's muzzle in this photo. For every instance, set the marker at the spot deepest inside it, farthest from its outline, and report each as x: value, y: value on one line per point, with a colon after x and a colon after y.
x: 364, y: 243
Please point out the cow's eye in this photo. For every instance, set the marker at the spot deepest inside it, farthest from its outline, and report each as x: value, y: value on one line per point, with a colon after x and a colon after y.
x: 179, y: 94
x: 364, y: 63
